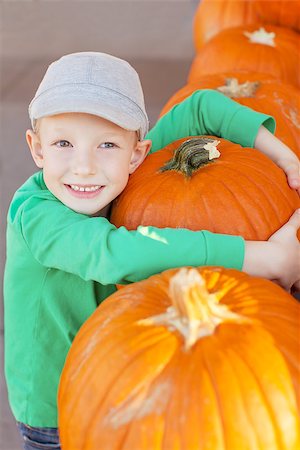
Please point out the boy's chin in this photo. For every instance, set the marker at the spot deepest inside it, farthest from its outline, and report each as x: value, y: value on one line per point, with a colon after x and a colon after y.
x: 92, y: 212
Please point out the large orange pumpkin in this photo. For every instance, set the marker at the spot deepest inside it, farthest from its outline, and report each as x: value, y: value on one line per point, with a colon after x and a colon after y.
x: 213, y: 16
x: 242, y: 192
x: 258, y: 92
x: 195, y: 359
x: 270, y: 50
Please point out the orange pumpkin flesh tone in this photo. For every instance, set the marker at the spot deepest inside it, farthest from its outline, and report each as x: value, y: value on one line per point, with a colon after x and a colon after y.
x: 191, y: 359
x: 285, y: 13
x: 213, y: 16
x: 241, y: 193
x: 274, y: 52
x: 280, y: 100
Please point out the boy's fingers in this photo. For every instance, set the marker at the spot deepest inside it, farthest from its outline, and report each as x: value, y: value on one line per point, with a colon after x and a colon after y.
x: 294, y: 220
x: 289, y: 229
x: 293, y: 174
x: 294, y: 182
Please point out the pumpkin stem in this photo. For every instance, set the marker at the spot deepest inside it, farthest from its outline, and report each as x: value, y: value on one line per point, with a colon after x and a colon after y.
x: 290, y: 113
x: 195, y: 312
x: 261, y: 36
x: 233, y: 89
x: 191, y: 155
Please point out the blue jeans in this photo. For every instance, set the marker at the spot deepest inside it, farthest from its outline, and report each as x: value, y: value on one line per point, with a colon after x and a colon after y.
x: 39, y: 438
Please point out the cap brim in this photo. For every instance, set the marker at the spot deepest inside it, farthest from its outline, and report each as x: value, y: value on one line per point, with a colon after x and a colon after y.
x: 96, y: 100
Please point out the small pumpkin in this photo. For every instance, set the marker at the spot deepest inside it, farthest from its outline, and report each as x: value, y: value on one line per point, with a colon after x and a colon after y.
x: 191, y: 359
x: 269, y: 50
x: 258, y: 92
x: 241, y: 192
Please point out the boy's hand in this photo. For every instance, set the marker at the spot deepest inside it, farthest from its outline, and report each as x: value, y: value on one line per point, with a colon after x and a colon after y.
x: 278, y: 259
x: 282, y: 155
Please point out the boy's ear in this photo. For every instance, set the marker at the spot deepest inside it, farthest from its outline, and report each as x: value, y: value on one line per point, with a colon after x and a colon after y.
x: 35, y: 147
x: 139, y: 154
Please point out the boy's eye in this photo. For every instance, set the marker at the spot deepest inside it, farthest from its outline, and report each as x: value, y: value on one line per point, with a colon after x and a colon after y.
x: 107, y: 145
x: 63, y: 144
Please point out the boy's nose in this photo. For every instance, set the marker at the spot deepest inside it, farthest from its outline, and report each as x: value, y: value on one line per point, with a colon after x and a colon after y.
x: 83, y: 164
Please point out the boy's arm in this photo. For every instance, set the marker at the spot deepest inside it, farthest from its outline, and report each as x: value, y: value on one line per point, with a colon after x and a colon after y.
x: 209, y: 112
x: 94, y: 249
x: 280, y: 154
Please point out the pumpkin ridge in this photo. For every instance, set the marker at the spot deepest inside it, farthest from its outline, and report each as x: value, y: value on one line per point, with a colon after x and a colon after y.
x: 256, y: 379
x: 253, y: 368
x: 176, y: 368
x: 207, y: 369
x: 287, y: 354
x: 147, y: 386
x: 201, y: 206
x: 240, y: 352
x: 132, y: 424
x: 285, y: 48
x: 207, y: 385
x: 208, y: 211
x: 114, y: 383
x: 215, y: 183
x: 85, y: 373
x: 158, y: 187
x: 263, y: 173
x: 238, y: 205
x: 233, y: 354
x: 256, y: 203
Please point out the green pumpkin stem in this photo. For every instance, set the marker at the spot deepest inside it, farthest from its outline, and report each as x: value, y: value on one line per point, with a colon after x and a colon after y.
x: 189, y: 157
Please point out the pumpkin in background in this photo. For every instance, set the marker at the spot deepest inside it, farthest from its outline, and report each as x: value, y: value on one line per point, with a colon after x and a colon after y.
x: 189, y: 359
x: 257, y: 91
x: 213, y: 16
x: 242, y: 192
x: 270, y: 50
x: 285, y: 13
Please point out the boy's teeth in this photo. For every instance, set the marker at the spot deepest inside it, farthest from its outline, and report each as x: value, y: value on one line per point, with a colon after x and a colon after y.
x: 84, y: 189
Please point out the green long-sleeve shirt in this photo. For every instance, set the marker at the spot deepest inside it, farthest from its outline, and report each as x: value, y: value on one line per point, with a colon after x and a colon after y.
x: 61, y: 264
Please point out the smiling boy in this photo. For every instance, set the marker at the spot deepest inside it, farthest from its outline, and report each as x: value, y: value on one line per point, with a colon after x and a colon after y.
x: 64, y: 256
x: 89, y: 179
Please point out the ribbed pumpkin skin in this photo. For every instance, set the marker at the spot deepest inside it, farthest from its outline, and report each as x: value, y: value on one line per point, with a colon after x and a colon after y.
x: 231, y: 51
x: 241, y: 193
x: 285, y: 13
x: 213, y: 16
x: 134, y: 387
x: 275, y: 98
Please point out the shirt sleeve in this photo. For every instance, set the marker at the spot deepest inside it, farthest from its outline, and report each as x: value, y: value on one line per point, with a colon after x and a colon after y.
x: 94, y: 249
x: 209, y: 112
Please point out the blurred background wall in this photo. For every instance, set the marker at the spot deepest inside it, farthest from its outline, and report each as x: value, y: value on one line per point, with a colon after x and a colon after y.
x: 154, y: 36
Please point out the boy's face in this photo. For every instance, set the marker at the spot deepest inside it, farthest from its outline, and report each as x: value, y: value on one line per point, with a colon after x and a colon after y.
x: 86, y: 160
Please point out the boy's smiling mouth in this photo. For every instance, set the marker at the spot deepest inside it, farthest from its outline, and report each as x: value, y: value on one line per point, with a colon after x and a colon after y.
x: 84, y: 191
x: 85, y: 188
